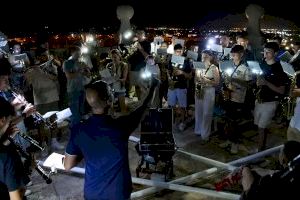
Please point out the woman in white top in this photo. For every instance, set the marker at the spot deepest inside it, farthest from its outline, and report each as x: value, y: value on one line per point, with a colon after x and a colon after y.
x: 205, y: 80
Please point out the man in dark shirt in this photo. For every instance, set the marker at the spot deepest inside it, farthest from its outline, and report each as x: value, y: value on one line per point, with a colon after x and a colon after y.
x: 137, y: 61
x: 282, y: 184
x: 103, y: 142
x: 271, y: 86
x: 12, y: 176
x: 178, y: 76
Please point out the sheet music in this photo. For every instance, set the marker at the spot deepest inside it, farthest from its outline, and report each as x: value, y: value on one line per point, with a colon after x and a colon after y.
x: 216, y: 47
x: 254, y: 67
x: 64, y: 114
x: 193, y: 55
x: 20, y: 56
x: 54, y: 160
x: 49, y: 114
x: 198, y: 65
x: 225, y: 65
x: 3, y: 43
x: 179, y: 41
x: 227, y: 51
x: 177, y: 59
x: 158, y: 40
x: 287, y: 68
x: 286, y: 56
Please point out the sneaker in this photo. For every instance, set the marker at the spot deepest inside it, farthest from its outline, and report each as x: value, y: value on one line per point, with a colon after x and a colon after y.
x: 56, y: 145
x: 234, y: 148
x: 225, y: 144
x: 181, y: 126
x: 27, y: 192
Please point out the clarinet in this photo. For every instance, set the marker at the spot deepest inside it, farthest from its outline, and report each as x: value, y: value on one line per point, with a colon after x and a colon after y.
x: 31, y: 141
x: 37, y: 116
x: 27, y: 156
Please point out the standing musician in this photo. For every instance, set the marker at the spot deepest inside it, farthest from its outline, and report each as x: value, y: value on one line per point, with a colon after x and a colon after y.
x: 119, y: 71
x: 205, y: 81
x: 237, y: 81
x: 43, y: 78
x: 271, y: 86
x: 19, y: 61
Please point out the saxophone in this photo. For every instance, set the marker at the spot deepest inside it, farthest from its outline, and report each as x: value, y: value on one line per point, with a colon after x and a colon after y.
x: 290, y: 103
x: 199, y: 90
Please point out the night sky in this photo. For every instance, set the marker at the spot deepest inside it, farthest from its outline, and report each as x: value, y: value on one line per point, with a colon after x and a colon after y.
x: 70, y: 16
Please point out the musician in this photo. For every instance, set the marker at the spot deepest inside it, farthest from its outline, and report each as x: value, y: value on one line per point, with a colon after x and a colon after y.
x: 75, y: 84
x: 103, y: 142
x: 271, y: 88
x: 236, y: 87
x: 295, y: 60
x: 13, y: 179
x: 225, y: 43
x: 119, y: 71
x: 293, y: 132
x: 19, y: 61
x: 282, y: 184
x: 206, y: 80
x: 43, y: 78
x: 137, y: 62
x: 243, y: 40
x: 177, y: 92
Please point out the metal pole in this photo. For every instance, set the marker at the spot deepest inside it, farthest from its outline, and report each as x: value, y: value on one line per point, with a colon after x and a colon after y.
x: 209, y: 161
x: 197, y: 175
x: 183, y: 188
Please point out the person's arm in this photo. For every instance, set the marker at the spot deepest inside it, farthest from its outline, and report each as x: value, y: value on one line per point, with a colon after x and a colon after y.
x: 278, y: 89
x: 73, y: 154
x: 124, y: 74
x: 70, y: 161
x: 16, y: 194
x: 129, y: 122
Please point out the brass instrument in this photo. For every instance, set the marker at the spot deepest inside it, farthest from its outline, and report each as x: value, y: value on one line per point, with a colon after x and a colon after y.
x: 290, y: 103
x: 199, y: 90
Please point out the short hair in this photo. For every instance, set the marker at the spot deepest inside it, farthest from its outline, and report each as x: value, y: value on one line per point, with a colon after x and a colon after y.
x: 101, y: 88
x: 272, y: 45
x: 237, y: 49
x: 291, y: 149
x: 6, y: 108
x: 177, y: 47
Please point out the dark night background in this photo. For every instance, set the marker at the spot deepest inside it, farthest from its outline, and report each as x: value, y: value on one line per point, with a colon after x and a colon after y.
x: 68, y: 15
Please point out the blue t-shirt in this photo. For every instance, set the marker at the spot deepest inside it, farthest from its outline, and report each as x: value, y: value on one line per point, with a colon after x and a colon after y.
x: 105, y: 150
